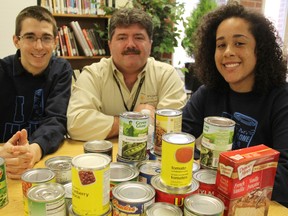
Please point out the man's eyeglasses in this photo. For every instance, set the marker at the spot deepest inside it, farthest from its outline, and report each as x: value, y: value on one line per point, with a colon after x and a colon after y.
x: 32, y: 39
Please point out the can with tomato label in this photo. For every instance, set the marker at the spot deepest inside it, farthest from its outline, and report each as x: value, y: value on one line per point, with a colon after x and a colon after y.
x: 207, y: 180
x: 177, y: 159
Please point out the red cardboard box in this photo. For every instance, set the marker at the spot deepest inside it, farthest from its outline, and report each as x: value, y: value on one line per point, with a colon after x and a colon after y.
x: 245, y: 180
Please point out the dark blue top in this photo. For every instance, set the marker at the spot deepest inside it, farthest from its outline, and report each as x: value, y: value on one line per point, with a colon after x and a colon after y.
x: 260, y: 119
x: 36, y: 103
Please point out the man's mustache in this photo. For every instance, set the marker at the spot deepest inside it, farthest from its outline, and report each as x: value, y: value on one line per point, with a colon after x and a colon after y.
x: 131, y: 51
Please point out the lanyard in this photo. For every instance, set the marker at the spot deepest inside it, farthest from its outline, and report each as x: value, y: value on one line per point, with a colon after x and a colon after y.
x: 136, y: 95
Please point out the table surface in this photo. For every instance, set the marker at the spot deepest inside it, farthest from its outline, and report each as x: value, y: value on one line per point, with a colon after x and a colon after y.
x: 73, y: 148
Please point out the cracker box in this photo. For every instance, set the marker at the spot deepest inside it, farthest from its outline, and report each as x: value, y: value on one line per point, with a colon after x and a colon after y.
x: 245, y: 180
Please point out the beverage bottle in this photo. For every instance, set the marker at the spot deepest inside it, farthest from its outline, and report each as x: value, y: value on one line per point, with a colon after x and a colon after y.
x: 151, y: 129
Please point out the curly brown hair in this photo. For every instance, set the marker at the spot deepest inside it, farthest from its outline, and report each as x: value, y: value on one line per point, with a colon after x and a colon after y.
x: 270, y: 69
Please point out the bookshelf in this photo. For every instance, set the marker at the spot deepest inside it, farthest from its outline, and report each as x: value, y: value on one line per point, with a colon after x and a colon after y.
x: 85, y: 21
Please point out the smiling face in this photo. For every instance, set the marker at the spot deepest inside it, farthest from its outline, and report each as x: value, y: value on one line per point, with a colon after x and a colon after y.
x: 35, y: 56
x: 235, y: 56
x: 130, y: 47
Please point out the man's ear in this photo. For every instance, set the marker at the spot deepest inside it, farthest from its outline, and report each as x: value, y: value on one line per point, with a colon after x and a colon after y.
x: 16, y: 41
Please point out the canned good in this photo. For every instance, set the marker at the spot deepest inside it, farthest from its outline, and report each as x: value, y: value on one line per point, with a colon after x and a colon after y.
x: 90, y: 183
x: 98, y: 146
x: 47, y: 199
x: 61, y: 166
x: 207, y: 181
x: 122, y: 172
x: 35, y: 177
x: 72, y: 213
x: 130, y: 161
x: 68, y: 195
x: 203, y: 205
x: 154, y: 156
x: 133, y: 135
x: 148, y: 169
x: 172, y: 195
x: 217, y: 137
x: 166, y: 121
x: 3, y: 184
x: 196, y: 167
x: 177, y: 159
x: 165, y: 209
x: 132, y: 198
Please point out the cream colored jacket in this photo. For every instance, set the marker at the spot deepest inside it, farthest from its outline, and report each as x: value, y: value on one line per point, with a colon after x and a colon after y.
x: 96, y: 98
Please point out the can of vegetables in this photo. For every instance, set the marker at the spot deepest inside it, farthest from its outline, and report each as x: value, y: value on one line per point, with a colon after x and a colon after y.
x: 133, y: 135
x: 3, y: 184
x: 177, y: 159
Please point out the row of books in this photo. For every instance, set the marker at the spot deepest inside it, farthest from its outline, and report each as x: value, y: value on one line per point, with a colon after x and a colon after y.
x: 91, y: 7
x: 77, y: 41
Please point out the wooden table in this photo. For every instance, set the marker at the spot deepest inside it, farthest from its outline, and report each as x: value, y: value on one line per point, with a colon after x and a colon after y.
x: 73, y: 148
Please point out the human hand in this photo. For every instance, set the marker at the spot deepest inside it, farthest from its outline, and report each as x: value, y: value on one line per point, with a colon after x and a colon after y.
x: 140, y: 107
x: 19, y: 155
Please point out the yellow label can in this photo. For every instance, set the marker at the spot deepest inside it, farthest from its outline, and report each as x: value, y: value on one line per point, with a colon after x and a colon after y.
x: 177, y: 159
x: 91, y: 184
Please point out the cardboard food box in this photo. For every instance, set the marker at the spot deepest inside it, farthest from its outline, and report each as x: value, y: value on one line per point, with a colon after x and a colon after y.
x: 245, y: 180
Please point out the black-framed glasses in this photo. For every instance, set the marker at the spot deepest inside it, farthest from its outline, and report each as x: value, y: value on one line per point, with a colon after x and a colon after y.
x: 32, y: 39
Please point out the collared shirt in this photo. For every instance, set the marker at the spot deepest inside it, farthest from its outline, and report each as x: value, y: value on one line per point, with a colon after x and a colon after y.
x: 35, y: 103
x: 96, y: 98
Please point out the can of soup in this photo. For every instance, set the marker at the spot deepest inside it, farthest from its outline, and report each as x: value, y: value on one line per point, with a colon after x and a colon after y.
x: 203, y: 205
x: 217, y: 137
x: 207, y: 181
x: 98, y: 146
x: 177, y: 159
x: 61, y: 166
x: 91, y: 183
x: 148, y: 169
x: 130, y: 161
x: 3, y: 184
x: 132, y: 198
x: 172, y: 195
x: 163, y: 209
x: 133, y: 135
x: 166, y: 121
x: 47, y: 199
x: 122, y: 172
x: 32, y: 178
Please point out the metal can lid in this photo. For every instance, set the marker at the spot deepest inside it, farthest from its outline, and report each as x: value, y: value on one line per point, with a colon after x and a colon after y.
x: 158, y: 185
x: 178, y: 138
x: 122, y: 172
x: 133, y: 192
x: 59, y: 163
x: 93, y: 161
x: 198, y: 203
x: 150, y: 167
x: 168, y: 112
x: 206, y: 176
x: 98, y: 145
x: 133, y: 115
x: 163, y: 208
x: 68, y: 190
x: 46, y: 192
x: 219, y: 121
x: 37, y: 175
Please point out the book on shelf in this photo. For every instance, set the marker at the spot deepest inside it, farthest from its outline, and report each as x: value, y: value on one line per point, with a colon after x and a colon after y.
x: 80, y: 38
x: 73, y: 43
x: 67, y: 40
x: 100, y: 43
x: 93, y: 40
x: 99, y: 8
x: 89, y: 41
x: 64, y: 48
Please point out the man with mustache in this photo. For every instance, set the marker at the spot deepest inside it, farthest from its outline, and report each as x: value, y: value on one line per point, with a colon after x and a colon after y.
x: 129, y: 80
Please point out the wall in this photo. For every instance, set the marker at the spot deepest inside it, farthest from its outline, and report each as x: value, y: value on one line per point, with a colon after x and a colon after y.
x: 8, y: 13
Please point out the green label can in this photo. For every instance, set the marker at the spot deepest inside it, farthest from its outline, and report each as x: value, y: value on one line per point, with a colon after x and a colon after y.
x: 47, y: 199
x: 133, y: 135
x: 217, y: 137
x: 3, y: 184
